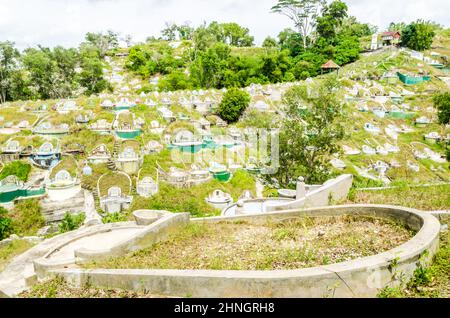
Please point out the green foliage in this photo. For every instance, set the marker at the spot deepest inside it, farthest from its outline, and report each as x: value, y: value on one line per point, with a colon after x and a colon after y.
x: 418, y: 35
x: 175, y: 81
x: 331, y: 19
x: 9, y: 59
x: 303, y: 14
x: 71, y: 222
x: 115, y: 218
x: 43, y: 73
x: 192, y: 199
x: 207, y: 69
x: 233, y: 105
x: 308, y: 136
x: 102, y: 43
x: 152, y: 58
x: 236, y: 35
x: 270, y: 42
x: 5, y: 224
x: 27, y: 217
x: 397, y: 27
x: 442, y: 104
x: 19, y: 169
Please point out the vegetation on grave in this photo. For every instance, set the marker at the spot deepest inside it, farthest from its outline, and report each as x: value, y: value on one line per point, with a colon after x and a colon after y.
x: 114, y: 179
x: 68, y: 164
x: 71, y: 222
x: 432, y: 198
x: 192, y: 200
x: 27, y: 218
x: 234, y: 103
x: 115, y: 218
x: 293, y: 244
x: 18, y: 168
x: 6, y: 227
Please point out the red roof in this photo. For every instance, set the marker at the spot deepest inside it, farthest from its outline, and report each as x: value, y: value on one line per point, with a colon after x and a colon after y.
x: 391, y: 33
x: 331, y: 65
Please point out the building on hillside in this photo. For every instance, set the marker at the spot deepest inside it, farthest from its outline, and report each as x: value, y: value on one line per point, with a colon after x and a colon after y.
x: 390, y: 38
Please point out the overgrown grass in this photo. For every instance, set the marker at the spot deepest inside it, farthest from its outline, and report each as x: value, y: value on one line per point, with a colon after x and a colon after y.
x: 69, y: 164
x: 192, y: 200
x: 423, y: 198
x: 71, y: 222
x: 27, y: 218
x: 299, y: 243
x: 58, y: 288
x: 19, y: 169
x: 428, y: 282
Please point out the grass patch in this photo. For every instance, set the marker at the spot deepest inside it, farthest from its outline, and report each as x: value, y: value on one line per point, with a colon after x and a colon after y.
x: 69, y: 164
x: 427, y: 282
x: 27, y: 218
x: 19, y: 169
x: 300, y: 243
x: 114, y: 179
x: 423, y: 198
x: 7, y: 253
x: 193, y: 199
x: 58, y: 288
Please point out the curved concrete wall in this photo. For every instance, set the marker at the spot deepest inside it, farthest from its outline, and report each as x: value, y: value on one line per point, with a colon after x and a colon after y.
x: 336, y: 189
x: 149, y: 235
x: 63, y: 194
x: 357, y: 278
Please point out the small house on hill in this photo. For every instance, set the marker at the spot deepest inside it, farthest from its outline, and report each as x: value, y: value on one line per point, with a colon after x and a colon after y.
x: 391, y: 38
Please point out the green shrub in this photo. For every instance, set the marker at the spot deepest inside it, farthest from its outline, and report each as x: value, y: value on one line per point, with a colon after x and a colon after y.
x: 16, y: 168
x: 115, y: 218
x: 233, y: 105
x: 71, y: 222
x: 5, y: 224
x: 27, y: 218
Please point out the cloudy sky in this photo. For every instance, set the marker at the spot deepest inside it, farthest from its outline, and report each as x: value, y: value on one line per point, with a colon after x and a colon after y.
x: 64, y: 22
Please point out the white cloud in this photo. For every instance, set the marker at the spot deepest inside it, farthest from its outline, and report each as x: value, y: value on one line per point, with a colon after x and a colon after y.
x: 53, y: 22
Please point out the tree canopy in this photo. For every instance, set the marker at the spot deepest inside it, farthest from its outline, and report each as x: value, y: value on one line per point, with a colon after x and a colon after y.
x: 418, y: 35
x: 233, y: 105
x: 309, y: 134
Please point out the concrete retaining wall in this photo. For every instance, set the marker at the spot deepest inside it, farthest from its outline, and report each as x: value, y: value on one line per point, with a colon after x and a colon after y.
x: 442, y: 216
x: 335, y: 190
x: 63, y: 194
x: 156, y: 232
x: 150, y: 235
x: 357, y: 278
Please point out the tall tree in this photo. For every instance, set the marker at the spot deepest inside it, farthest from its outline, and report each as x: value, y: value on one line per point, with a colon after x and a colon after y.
x: 303, y: 13
x: 418, y: 35
x: 269, y: 42
x: 308, y: 137
x: 9, y: 56
x: 185, y: 31
x: 169, y: 33
x: 442, y: 104
x: 332, y: 17
x: 236, y: 35
x: 103, y: 42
